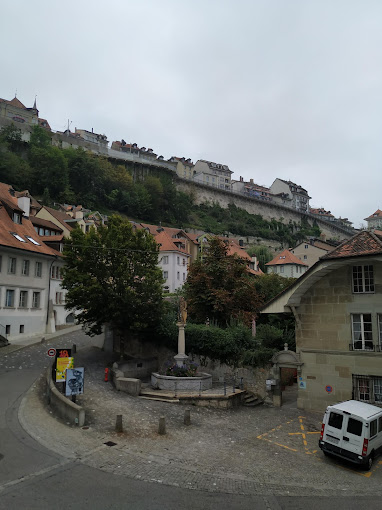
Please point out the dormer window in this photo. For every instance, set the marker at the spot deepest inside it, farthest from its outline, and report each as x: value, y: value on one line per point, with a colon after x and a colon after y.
x: 16, y: 218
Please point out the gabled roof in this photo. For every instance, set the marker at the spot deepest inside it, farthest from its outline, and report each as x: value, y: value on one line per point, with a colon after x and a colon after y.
x: 14, y: 102
x: 167, y: 244
x: 24, y: 231
x: 40, y: 222
x: 363, y: 243
x: 377, y: 214
x: 62, y: 217
x: 286, y: 257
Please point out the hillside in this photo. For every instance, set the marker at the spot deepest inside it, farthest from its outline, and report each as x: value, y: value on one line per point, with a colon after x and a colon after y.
x: 77, y: 177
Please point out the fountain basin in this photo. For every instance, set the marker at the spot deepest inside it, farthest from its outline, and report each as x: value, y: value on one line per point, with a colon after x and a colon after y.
x: 202, y: 382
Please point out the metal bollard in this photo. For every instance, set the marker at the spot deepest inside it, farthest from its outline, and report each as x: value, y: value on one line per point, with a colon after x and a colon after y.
x: 225, y: 388
x: 200, y: 388
x: 234, y: 386
x: 187, y: 417
x: 162, y: 426
x: 118, y: 423
x: 241, y: 383
x: 74, y: 348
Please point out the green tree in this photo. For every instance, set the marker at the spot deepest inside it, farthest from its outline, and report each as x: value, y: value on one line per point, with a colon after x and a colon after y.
x: 49, y: 170
x: 112, y: 276
x: 220, y: 288
x: 269, y: 285
x: 40, y: 137
x: 263, y: 255
x: 10, y: 137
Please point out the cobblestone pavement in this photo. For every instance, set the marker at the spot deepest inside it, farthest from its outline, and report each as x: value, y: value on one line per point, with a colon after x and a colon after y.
x: 261, y: 450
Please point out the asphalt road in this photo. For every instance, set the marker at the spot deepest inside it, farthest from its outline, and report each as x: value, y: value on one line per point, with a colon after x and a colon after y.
x: 33, y: 477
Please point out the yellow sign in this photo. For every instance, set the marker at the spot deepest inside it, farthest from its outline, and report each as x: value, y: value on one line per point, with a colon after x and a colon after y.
x: 61, y: 366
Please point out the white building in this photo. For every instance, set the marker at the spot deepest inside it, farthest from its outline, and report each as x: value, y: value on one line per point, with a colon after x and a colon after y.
x: 28, y: 294
x: 173, y: 260
x: 290, y: 194
x: 213, y: 174
x: 287, y: 265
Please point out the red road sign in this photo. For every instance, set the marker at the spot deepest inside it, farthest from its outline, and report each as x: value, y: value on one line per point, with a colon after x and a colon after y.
x: 51, y: 352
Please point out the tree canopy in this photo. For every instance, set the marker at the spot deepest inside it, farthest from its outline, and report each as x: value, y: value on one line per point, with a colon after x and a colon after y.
x: 219, y: 288
x: 112, y: 276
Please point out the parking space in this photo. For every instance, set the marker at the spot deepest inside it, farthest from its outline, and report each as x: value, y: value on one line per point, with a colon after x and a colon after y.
x: 300, y: 436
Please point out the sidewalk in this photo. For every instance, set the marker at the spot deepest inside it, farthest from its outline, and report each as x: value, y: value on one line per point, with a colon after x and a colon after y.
x: 21, y: 343
x: 222, y: 450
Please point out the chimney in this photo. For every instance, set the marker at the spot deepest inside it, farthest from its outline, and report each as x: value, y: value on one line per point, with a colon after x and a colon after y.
x: 251, y: 181
x: 241, y: 179
x: 25, y: 204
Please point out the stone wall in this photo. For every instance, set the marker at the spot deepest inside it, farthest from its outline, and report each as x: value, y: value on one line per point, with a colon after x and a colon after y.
x: 267, y: 210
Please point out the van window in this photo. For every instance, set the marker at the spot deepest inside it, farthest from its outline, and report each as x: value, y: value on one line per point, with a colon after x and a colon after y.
x: 355, y: 427
x: 335, y: 420
x: 373, y: 428
x: 380, y: 424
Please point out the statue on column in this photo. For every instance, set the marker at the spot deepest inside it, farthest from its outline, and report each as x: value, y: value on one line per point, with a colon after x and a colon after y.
x: 182, y: 314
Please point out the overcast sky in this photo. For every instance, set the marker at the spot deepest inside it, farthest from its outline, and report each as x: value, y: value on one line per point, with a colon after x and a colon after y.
x: 271, y: 88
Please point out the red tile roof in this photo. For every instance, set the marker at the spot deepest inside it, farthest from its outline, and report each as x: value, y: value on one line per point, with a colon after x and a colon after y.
x: 8, y: 227
x: 363, y: 243
x: 14, y: 102
x: 62, y: 217
x: 377, y: 214
x: 285, y: 257
x: 40, y: 222
x: 167, y: 243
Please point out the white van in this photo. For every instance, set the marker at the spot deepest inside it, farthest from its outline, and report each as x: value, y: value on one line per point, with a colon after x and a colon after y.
x: 352, y: 430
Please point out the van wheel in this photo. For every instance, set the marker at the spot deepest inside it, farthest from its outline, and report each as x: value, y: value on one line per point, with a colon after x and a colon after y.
x: 369, y: 462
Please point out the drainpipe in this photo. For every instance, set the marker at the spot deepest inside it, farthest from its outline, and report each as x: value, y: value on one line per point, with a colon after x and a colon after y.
x: 49, y: 275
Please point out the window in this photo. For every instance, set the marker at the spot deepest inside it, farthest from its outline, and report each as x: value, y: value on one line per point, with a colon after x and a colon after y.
x: 19, y: 238
x: 367, y: 388
x: 21, y: 330
x: 12, y: 265
x: 178, y: 275
x: 363, y: 279
x: 362, y: 331
x: 17, y: 218
x: 184, y: 277
x: 33, y: 241
x: 355, y: 427
x: 305, y: 257
x: 165, y: 275
x: 306, y: 246
x: 25, y: 268
x: 281, y: 269
x: 55, y: 273
x: 10, y: 298
x: 178, y: 260
x: 38, y: 269
x: 8, y: 329
x: 165, y: 259
x: 373, y: 428
x: 36, y: 300
x: 23, y: 299
x: 59, y: 298
x: 335, y: 420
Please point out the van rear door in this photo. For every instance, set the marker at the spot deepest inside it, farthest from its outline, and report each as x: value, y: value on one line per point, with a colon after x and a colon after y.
x: 352, y: 435
x: 333, y: 432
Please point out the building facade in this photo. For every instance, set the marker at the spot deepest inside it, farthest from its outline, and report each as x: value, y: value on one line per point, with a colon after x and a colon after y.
x: 213, y: 174
x: 287, y: 265
x: 337, y: 305
x: 290, y: 194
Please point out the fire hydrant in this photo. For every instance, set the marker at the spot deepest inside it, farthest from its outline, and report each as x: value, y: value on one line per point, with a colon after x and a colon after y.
x: 106, y: 374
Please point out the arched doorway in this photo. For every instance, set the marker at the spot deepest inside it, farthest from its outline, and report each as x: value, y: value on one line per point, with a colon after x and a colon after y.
x: 70, y: 318
x: 284, y: 362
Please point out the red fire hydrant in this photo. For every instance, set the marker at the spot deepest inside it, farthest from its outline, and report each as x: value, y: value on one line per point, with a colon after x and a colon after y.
x: 106, y: 374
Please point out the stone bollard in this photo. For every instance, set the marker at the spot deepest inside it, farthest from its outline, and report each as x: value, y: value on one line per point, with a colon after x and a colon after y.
x: 187, y: 417
x: 118, y: 423
x: 162, y: 426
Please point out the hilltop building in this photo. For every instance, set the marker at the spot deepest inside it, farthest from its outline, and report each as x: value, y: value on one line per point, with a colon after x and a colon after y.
x: 286, y: 264
x: 213, y: 174
x: 290, y: 194
x: 375, y: 220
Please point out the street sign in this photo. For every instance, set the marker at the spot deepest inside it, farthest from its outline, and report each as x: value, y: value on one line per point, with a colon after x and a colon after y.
x: 74, y: 381
x: 51, y: 352
x: 63, y: 353
x: 302, y: 385
x: 328, y: 388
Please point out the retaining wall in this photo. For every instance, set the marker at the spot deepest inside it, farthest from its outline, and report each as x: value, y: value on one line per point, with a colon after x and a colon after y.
x: 63, y: 407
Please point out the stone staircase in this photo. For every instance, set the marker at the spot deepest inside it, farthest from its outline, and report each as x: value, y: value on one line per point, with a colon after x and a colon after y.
x: 250, y: 399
